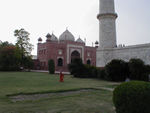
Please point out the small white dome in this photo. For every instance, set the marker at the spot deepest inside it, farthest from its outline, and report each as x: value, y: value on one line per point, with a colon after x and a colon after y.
x: 79, y: 40
x: 66, y: 36
x: 53, y: 37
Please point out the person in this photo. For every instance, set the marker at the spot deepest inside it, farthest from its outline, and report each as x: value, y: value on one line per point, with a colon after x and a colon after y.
x: 61, y: 79
x: 127, y: 80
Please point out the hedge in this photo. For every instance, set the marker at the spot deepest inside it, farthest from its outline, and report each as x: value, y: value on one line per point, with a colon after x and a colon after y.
x: 117, y: 70
x: 132, y: 97
x: 51, y: 66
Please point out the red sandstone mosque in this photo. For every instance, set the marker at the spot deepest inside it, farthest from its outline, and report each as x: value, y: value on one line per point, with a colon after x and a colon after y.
x: 63, y: 51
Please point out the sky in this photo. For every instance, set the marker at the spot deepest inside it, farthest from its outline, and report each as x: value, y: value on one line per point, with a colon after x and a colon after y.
x: 40, y: 17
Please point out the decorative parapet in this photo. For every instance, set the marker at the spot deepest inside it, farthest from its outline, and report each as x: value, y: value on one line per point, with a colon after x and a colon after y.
x: 134, y: 46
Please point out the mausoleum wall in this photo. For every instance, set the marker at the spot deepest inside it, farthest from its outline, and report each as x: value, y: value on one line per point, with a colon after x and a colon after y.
x: 141, y: 51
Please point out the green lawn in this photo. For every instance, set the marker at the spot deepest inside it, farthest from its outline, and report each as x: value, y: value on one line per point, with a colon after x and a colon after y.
x: 93, y: 101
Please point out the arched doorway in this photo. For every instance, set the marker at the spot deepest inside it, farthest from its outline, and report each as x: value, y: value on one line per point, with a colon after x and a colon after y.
x: 60, y: 62
x: 74, y: 55
x: 88, y: 62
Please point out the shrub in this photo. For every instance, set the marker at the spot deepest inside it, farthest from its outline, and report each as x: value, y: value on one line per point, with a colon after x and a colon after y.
x: 132, y: 97
x: 90, y: 71
x: 101, y: 73
x: 147, y: 69
x: 116, y: 70
x: 94, y: 72
x: 51, y: 66
x: 138, y: 70
x: 76, y: 68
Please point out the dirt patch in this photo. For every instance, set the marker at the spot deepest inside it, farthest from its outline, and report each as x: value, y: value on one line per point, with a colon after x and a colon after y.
x: 32, y: 97
x: 28, y: 97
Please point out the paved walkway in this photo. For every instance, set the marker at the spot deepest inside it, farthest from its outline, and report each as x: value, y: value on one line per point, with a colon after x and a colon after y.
x: 104, y: 88
x: 44, y: 71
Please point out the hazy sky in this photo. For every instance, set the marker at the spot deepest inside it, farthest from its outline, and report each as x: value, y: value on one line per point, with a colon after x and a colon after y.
x: 39, y: 17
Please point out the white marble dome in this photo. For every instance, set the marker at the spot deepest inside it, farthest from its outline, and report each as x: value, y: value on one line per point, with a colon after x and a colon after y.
x: 79, y: 40
x: 66, y: 36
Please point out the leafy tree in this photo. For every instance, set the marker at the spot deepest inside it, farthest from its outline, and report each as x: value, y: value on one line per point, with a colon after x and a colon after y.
x: 4, y: 44
x: 28, y: 63
x: 51, y: 66
x: 9, y: 57
x: 24, y: 44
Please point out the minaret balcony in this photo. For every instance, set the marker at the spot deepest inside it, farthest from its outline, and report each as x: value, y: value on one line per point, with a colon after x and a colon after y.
x: 107, y: 15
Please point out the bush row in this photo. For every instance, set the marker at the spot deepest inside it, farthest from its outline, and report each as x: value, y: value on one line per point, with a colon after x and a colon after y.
x: 116, y: 70
x: 78, y: 69
x: 135, y: 69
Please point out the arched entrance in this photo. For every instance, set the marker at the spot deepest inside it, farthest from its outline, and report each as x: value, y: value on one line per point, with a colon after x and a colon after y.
x: 88, y: 62
x: 74, y: 55
x: 60, y: 62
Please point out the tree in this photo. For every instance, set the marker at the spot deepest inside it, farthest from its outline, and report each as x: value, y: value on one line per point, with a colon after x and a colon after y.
x: 28, y: 63
x: 9, y: 57
x: 51, y: 66
x: 24, y: 44
x: 4, y: 44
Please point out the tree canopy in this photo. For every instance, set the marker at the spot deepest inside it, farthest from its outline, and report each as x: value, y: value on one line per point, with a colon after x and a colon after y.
x: 10, y: 57
x: 23, y: 43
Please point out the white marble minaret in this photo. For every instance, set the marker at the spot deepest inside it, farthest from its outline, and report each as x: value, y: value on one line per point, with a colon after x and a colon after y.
x: 107, y: 49
x: 107, y: 22
x: 107, y: 32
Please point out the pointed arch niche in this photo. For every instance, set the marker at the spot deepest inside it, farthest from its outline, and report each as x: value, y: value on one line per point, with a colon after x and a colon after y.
x: 74, y: 55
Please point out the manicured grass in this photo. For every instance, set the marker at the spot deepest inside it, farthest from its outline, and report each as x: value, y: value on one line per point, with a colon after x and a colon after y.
x: 95, y: 101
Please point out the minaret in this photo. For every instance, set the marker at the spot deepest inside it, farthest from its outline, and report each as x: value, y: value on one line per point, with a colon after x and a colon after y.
x: 107, y: 22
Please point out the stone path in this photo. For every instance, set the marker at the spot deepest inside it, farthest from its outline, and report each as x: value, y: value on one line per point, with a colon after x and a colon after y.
x: 43, y: 71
